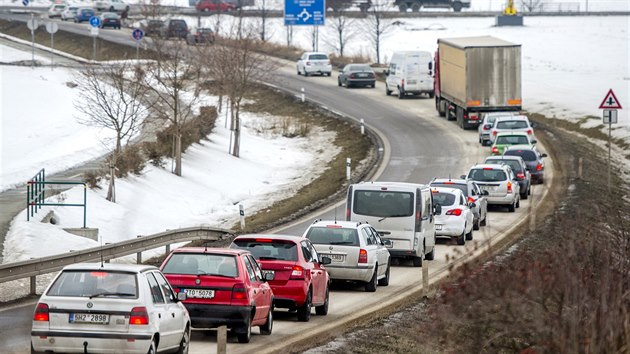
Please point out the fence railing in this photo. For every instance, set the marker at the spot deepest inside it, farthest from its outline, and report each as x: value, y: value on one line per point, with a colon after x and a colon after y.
x: 35, y: 267
x: 36, y: 195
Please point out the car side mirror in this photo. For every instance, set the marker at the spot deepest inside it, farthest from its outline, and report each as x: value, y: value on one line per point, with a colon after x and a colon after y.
x: 387, y: 243
x: 269, y: 276
x: 543, y: 155
x: 437, y: 209
x: 182, y: 296
x: 325, y: 260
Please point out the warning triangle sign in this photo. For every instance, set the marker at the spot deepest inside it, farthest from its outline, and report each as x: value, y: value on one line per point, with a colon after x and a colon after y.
x: 610, y: 101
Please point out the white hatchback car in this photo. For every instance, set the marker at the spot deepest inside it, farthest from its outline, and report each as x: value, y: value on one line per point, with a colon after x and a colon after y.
x: 314, y: 63
x: 110, y: 308
x: 56, y: 10
x: 500, y: 183
x: 356, y: 250
x: 487, y: 123
x: 517, y: 123
x: 69, y: 13
x: 455, y: 219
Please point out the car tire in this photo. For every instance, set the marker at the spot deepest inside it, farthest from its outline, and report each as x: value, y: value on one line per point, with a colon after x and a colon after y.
x: 484, y: 221
x: 246, y: 336
x: 304, y: 311
x: 152, y: 347
x: 469, y: 236
x: 184, y: 344
x: 385, y: 281
x: 33, y: 351
x: 417, y: 261
x: 338, y: 82
x: 371, y: 285
x: 525, y: 195
x: 388, y: 92
x: 461, y: 239
x: 322, y: 310
x: 401, y: 94
x: 431, y: 255
x: 512, y: 207
x: 328, y: 74
x: 268, y: 326
x: 306, y: 73
x: 431, y: 94
x: 476, y: 224
x: 518, y: 203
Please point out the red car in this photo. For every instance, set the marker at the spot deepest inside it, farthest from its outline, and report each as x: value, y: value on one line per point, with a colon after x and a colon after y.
x: 223, y: 287
x: 214, y: 5
x: 300, y: 278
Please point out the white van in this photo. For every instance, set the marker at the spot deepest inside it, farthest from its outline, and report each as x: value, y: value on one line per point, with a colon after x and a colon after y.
x: 401, y: 212
x: 410, y: 73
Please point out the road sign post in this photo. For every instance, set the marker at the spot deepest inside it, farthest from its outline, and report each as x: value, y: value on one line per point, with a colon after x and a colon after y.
x: 32, y: 24
x: 137, y: 35
x: 306, y: 13
x: 95, y: 22
x: 610, y: 105
x: 52, y: 28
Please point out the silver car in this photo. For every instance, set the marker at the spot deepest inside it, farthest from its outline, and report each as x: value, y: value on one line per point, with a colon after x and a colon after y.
x: 314, y: 63
x: 500, y: 183
x: 356, y: 249
x: 472, y: 193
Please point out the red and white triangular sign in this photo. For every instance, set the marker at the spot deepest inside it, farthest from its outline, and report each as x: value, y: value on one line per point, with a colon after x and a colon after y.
x: 610, y: 101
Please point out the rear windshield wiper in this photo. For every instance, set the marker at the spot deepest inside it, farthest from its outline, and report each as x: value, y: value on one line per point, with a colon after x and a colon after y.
x: 107, y: 293
x: 217, y: 275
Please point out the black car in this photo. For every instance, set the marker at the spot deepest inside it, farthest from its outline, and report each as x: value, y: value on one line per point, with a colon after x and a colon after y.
x: 533, y: 160
x: 152, y: 27
x: 174, y: 28
x: 110, y: 19
x: 200, y: 36
x: 357, y: 75
x: 520, y: 170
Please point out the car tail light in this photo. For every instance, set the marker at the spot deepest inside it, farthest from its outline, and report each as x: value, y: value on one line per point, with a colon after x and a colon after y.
x: 139, y: 316
x: 474, y: 116
x: 41, y: 313
x: 487, y: 168
x: 520, y: 175
x: 529, y: 131
x: 363, y: 257
x: 347, y: 213
x: 471, y: 200
x: 239, y: 292
x: 509, y: 187
x: 264, y: 240
x: 297, y: 273
x: 494, y: 133
x: 456, y: 212
x: 495, y: 150
x: 352, y: 76
x: 539, y: 167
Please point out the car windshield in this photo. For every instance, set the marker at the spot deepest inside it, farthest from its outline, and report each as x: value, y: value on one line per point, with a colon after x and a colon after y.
x: 516, y: 166
x: 487, y: 175
x: 268, y: 249
x: 318, y: 57
x: 443, y: 199
x: 512, y: 140
x: 383, y: 203
x: 333, y: 236
x: 461, y: 187
x: 512, y: 124
x: 201, y: 264
x: 91, y: 283
x: 527, y: 155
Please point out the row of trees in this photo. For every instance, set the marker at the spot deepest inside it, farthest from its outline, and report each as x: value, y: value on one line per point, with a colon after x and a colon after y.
x: 126, y: 96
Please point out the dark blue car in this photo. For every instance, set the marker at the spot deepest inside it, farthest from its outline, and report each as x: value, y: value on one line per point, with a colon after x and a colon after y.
x: 83, y: 14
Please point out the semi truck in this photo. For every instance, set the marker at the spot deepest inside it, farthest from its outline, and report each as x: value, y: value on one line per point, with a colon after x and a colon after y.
x: 474, y: 75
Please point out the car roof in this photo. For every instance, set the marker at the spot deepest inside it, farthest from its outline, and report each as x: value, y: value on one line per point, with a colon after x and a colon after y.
x: 447, y: 190
x: 296, y: 239
x: 451, y: 180
x: 309, y: 53
x: 136, y: 268
x: 489, y: 165
x: 390, y: 184
x: 503, y: 157
x: 341, y: 223
x: 213, y: 250
x: 514, y: 117
x: 521, y: 147
x: 508, y: 133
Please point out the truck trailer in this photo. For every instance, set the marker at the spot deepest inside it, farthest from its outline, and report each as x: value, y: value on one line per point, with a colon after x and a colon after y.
x: 475, y: 75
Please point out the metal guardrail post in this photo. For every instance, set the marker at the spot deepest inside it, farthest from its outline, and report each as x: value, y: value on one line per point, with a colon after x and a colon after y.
x: 139, y: 255
x: 33, y: 285
x: 84, y: 203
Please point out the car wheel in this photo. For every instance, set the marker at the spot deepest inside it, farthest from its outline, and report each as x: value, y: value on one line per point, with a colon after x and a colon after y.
x: 485, y: 220
x: 388, y: 92
x: 246, y: 336
x: 306, y: 73
x: 431, y: 94
x: 461, y: 240
x: 401, y: 93
x: 518, y: 203
x: 328, y: 74
x: 476, y: 224
x: 268, y: 326
x: 469, y: 236
x: 371, y: 285
x: 304, y: 312
x: 431, y: 255
x: 385, y: 281
x: 512, y: 208
x: 339, y: 82
x: 529, y: 190
x: 417, y: 261
x: 152, y: 347
x: 525, y: 195
x: 298, y: 71
x: 322, y: 310
x: 185, y: 342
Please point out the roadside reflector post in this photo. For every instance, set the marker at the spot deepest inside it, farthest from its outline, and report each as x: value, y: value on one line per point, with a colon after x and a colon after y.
x: 303, y: 95
x: 348, y: 166
x: 222, y: 340
x: 168, y: 249
x: 33, y: 285
x: 362, y: 127
x: 139, y: 255
x: 241, y: 213
x: 425, y: 277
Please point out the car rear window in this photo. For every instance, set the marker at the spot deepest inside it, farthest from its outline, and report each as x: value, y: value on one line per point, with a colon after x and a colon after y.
x: 95, y: 283
x: 333, y: 236
x: 527, y: 155
x: 461, y: 187
x: 443, y: 199
x: 516, y: 166
x: 268, y: 249
x: 360, y: 68
x: 512, y: 124
x: 487, y: 175
x: 318, y: 57
x: 383, y: 203
x: 512, y: 140
x: 201, y: 264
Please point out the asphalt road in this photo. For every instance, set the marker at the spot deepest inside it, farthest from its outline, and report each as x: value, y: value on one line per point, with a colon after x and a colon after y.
x: 419, y: 146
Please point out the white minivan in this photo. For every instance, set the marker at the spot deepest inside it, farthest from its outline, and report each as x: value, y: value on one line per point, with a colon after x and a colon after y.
x: 410, y: 73
x: 400, y: 212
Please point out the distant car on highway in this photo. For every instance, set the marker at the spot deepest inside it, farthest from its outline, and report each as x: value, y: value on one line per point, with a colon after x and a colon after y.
x: 314, y: 63
x: 300, y: 279
x: 84, y: 14
x: 107, y: 308
x: 177, y: 28
x: 110, y: 19
x: 487, y: 122
x: 56, y: 10
x: 111, y: 5
x: 533, y: 160
x: 151, y: 27
x: 69, y: 13
x: 455, y: 220
x: 500, y: 183
x: 214, y: 5
x: 472, y: 193
x: 200, y: 36
x: 520, y: 170
x: 222, y: 287
x: 356, y: 250
x: 357, y: 75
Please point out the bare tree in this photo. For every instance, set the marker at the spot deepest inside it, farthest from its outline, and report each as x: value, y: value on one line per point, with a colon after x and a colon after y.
x: 341, y: 25
x: 532, y: 5
x: 236, y: 67
x: 378, y: 24
x: 113, y: 97
x: 264, y: 14
x: 172, y: 78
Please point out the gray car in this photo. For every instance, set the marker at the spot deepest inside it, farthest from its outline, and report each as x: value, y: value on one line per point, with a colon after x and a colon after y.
x: 520, y: 170
x: 357, y: 75
x: 472, y: 193
x: 533, y: 160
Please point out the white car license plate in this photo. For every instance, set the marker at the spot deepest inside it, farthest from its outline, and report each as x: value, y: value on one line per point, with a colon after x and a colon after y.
x: 438, y: 227
x: 489, y: 188
x: 199, y: 293
x: 97, y: 318
x: 335, y: 257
